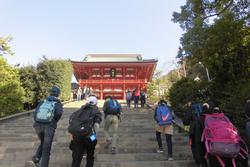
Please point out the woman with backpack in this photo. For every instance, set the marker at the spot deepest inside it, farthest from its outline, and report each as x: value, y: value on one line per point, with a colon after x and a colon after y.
x: 214, y: 118
x: 164, y: 125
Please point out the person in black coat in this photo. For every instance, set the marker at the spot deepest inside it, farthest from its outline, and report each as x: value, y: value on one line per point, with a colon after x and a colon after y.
x: 195, y: 133
x: 81, y: 144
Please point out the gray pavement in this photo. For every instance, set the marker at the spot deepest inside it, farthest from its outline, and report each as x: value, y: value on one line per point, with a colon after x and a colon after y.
x: 136, y: 143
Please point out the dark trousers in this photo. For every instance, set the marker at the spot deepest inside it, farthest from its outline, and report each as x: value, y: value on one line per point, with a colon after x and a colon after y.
x: 136, y: 99
x: 45, y: 134
x: 143, y: 101
x: 128, y: 102
x: 169, y: 142
x: 248, y: 133
x: 198, y: 152
x: 79, y: 147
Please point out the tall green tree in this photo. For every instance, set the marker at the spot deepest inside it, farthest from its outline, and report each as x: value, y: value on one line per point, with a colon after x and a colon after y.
x: 221, y: 43
x: 4, y: 46
x: 183, y: 91
x: 28, y: 78
x: 54, y: 72
x: 160, y: 84
x: 153, y: 90
x: 217, y: 33
x: 12, y: 94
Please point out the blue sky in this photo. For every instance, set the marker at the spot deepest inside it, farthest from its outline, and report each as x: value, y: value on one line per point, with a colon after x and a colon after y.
x: 72, y: 29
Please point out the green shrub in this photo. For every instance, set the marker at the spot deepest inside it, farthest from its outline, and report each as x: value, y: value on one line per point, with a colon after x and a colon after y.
x: 186, y: 90
x: 54, y: 72
x: 12, y: 94
x: 28, y: 78
x: 234, y: 101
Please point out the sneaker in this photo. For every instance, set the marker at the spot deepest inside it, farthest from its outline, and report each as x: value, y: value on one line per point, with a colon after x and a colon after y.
x: 113, y: 150
x: 108, y: 141
x: 170, y: 159
x: 160, y: 150
x: 36, y: 160
x: 31, y: 164
x: 84, y: 156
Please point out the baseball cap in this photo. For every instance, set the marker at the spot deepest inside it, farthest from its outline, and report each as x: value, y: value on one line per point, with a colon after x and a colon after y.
x: 92, y: 100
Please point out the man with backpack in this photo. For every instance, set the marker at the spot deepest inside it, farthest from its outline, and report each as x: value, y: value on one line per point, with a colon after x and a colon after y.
x: 46, y: 116
x: 164, y: 119
x: 192, y: 117
x: 83, y: 127
x: 112, y: 111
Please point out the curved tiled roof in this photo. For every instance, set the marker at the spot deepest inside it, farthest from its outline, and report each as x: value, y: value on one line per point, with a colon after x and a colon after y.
x: 113, y: 58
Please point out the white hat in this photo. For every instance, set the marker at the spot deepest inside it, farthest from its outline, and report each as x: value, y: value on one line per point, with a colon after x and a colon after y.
x: 92, y: 100
x: 205, y: 104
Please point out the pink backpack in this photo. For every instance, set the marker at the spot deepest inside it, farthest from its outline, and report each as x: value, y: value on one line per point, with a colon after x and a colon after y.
x: 222, y: 139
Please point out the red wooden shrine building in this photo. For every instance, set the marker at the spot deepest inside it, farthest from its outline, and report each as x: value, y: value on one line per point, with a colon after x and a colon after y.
x: 113, y: 74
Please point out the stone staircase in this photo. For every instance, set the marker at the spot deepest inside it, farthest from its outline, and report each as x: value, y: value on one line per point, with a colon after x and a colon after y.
x: 136, y: 144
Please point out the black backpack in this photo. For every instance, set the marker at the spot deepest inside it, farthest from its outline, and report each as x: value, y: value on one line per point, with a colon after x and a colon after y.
x: 81, y: 123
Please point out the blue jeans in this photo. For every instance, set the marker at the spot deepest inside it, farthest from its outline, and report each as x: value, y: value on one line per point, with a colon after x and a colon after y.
x: 45, y: 134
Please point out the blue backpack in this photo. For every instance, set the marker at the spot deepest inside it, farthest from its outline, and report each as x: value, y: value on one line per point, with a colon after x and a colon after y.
x: 164, y: 115
x: 197, y: 108
x: 128, y: 96
x: 114, y: 106
x: 45, y: 112
x: 197, y: 111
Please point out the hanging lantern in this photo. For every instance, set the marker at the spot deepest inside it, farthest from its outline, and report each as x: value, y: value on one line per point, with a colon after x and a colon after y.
x: 112, y: 72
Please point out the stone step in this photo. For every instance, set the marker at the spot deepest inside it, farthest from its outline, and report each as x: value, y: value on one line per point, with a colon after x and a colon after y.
x: 136, y: 145
x: 101, y: 149
x: 179, y: 163
x: 150, y: 157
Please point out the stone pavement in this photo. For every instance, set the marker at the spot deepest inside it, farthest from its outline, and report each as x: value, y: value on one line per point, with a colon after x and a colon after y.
x: 136, y: 144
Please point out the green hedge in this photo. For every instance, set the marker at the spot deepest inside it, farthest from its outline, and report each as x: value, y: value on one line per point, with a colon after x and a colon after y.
x: 23, y: 88
x: 12, y: 94
x: 54, y: 72
x: 234, y: 101
x: 186, y: 90
x: 28, y: 77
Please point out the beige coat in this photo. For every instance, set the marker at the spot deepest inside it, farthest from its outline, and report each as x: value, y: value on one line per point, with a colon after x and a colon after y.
x: 166, y: 129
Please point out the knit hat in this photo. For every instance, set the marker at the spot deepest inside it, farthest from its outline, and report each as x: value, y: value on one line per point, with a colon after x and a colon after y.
x: 55, y: 91
x: 92, y: 100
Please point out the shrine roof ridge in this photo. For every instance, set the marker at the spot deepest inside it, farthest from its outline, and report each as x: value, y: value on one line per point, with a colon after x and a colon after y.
x: 114, y: 58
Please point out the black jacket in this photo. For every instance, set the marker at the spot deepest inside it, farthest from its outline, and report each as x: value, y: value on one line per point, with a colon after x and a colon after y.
x: 93, y: 110
x: 196, y: 124
x: 57, y: 115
